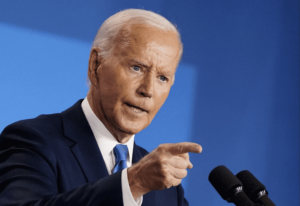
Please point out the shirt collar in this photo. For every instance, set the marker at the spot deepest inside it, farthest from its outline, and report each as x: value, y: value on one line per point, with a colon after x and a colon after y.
x: 105, y: 140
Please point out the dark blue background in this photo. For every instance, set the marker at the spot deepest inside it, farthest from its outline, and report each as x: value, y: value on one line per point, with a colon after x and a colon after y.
x: 236, y: 91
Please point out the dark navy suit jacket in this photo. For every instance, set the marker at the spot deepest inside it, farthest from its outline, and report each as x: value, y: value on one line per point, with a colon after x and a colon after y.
x: 55, y: 160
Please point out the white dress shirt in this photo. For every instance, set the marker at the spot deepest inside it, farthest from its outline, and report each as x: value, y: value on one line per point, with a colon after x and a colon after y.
x: 106, y: 143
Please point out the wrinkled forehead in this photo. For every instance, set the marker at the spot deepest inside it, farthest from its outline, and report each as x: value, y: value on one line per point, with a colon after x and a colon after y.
x: 145, y: 34
x: 148, y: 47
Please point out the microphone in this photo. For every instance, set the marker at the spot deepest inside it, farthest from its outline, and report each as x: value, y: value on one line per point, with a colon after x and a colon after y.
x: 255, y: 190
x: 228, y: 186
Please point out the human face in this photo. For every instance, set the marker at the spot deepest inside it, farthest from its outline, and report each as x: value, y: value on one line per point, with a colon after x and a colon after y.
x: 136, y: 80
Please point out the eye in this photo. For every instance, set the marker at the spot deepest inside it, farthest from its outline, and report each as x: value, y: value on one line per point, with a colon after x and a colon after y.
x: 136, y: 68
x: 162, y: 78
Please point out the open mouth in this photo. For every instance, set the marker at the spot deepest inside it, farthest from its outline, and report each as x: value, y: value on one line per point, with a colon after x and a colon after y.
x: 135, y: 109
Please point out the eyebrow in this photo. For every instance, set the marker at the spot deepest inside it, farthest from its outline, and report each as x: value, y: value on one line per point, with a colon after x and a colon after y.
x: 141, y: 63
x: 167, y: 74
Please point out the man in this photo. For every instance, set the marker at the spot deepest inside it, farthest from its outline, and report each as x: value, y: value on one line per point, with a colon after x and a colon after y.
x: 79, y: 156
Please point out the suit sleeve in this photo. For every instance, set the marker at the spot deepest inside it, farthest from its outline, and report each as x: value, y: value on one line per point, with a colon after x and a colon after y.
x: 28, y: 175
x: 180, y: 196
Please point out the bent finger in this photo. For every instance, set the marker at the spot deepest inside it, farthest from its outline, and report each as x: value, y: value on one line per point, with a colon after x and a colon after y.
x: 179, y: 162
x: 173, y: 182
x: 178, y: 173
x: 187, y: 158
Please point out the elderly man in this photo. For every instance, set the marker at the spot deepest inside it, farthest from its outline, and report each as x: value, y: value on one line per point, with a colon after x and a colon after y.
x: 86, y: 155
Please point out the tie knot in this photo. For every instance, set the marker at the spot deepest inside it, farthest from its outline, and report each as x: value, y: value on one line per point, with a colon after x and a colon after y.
x: 121, y: 152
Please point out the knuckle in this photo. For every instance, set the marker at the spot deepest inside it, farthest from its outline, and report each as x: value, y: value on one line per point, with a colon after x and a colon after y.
x: 162, y: 172
x: 162, y: 160
x: 181, y: 149
x: 161, y: 148
x: 162, y: 145
x: 186, y: 164
x: 184, y: 173
x: 181, y: 173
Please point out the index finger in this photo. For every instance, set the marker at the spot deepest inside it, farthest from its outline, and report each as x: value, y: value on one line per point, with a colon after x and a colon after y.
x: 184, y: 147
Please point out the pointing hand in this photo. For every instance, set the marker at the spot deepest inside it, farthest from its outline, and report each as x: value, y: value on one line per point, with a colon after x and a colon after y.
x: 163, y: 168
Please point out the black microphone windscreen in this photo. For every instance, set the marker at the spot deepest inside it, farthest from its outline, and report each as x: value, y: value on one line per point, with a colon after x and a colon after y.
x: 224, y: 181
x: 251, y: 185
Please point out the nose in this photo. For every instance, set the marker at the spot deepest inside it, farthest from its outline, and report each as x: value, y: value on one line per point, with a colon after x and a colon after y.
x: 146, y: 87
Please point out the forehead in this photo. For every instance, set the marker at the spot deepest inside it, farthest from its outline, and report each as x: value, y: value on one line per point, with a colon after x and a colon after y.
x: 144, y: 34
x: 146, y: 43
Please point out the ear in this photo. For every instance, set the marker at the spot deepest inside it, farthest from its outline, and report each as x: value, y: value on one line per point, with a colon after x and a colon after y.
x: 94, y: 63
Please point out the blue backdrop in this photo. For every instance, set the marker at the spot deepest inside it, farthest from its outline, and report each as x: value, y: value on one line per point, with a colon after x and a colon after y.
x: 236, y: 91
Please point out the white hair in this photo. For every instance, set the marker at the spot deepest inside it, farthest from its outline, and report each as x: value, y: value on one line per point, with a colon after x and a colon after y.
x: 111, y: 27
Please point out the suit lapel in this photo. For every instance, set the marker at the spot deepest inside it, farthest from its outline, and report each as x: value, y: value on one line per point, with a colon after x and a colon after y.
x: 85, y: 148
x: 137, y: 154
x: 87, y: 153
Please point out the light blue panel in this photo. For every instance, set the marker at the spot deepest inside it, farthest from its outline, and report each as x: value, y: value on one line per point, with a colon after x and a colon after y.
x: 72, y: 19
x: 40, y: 73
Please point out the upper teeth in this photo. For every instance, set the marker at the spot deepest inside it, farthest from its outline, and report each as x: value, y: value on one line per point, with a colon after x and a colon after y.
x: 136, y: 109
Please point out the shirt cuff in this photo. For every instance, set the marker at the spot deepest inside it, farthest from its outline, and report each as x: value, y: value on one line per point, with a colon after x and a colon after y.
x: 126, y: 192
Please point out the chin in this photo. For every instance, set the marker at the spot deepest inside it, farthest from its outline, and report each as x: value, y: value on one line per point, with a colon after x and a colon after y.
x: 132, y: 127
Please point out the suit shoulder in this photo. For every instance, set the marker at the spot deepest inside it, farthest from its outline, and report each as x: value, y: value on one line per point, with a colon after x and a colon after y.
x: 34, y: 132
x: 42, y: 120
x: 41, y: 123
